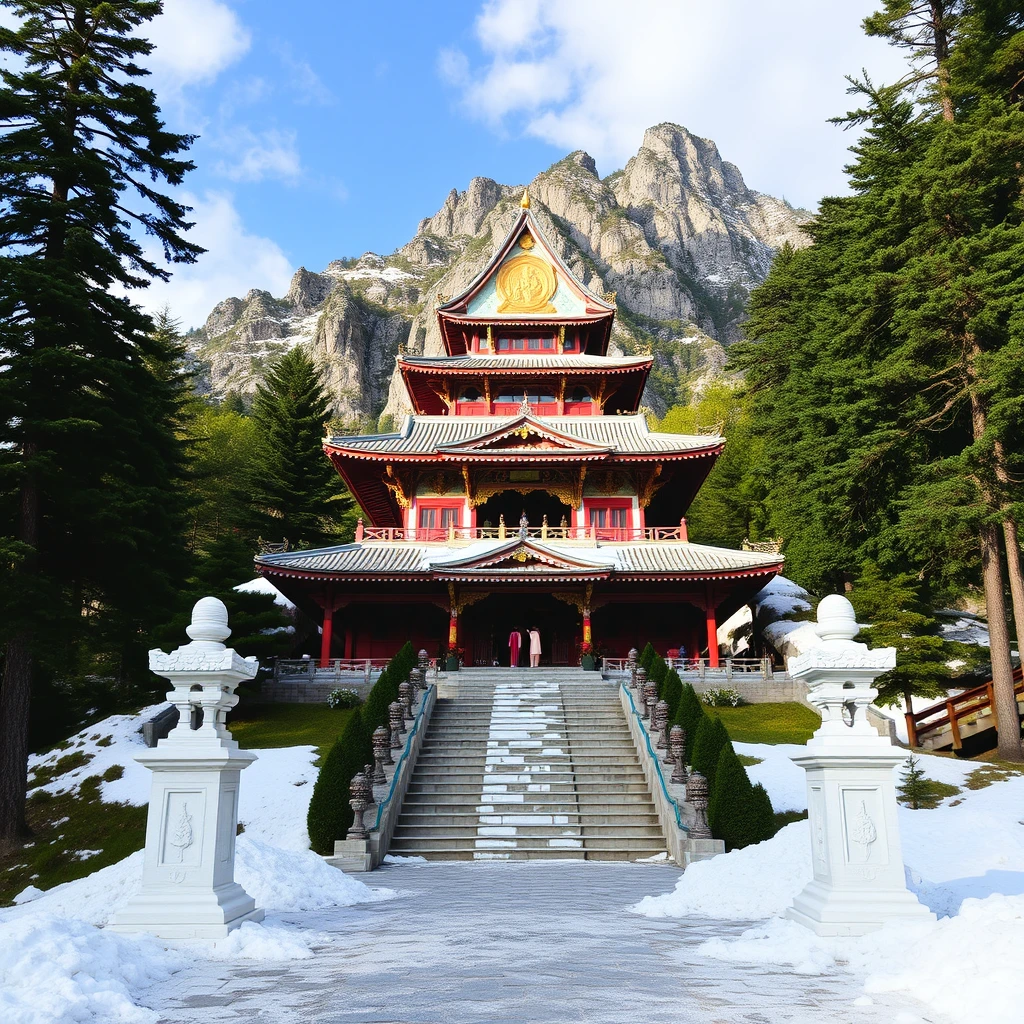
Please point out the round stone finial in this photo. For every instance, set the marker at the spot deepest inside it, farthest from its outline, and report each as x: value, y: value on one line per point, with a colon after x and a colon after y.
x: 836, y: 618
x: 209, y: 622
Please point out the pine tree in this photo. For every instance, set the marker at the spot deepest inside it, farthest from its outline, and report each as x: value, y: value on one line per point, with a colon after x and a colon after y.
x: 297, y: 492
x: 689, y: 714
x: 82, y: 154
x: 736, y: 813
x: 913, y: 786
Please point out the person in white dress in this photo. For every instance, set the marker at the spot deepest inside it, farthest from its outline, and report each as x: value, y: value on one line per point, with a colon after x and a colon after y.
x: 534, y: 649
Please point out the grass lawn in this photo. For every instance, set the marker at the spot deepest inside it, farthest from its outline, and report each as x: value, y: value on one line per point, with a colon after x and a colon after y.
x: 257, y: 726
x: 768, y: 723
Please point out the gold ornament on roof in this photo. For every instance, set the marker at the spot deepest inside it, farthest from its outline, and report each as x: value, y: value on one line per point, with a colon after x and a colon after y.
x: 526, y: 241
x: 525, y: 285
x: 525, y: 201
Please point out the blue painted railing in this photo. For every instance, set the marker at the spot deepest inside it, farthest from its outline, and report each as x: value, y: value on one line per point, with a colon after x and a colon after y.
x: 654, y: 757
x: 405, y: 753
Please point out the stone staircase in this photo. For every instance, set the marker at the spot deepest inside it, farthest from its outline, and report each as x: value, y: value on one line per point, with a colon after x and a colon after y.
x: 528, y: 764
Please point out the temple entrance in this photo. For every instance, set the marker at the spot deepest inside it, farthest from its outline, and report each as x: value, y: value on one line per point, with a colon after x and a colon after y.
x: 511, y: 505
x: 487, y: 624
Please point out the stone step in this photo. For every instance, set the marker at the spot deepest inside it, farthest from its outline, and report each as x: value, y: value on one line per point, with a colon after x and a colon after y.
x: 535, y: 853
x: 482, y: 830
x: 597, y: 788
x: 636, y: 846
x: 419, y: 816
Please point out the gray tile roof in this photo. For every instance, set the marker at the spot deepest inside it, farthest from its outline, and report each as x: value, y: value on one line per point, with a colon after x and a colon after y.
x: 526, y: 362
x: 372, y: 558
x: 623, y: 434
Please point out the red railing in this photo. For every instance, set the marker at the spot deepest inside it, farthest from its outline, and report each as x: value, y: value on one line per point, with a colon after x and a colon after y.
x: 441, y: 535
x: 975, y: 702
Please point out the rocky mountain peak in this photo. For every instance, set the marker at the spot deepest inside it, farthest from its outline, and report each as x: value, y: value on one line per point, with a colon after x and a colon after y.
x: 676, y: 234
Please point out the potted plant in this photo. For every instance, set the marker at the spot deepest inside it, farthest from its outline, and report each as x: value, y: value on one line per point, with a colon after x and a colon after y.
x: 453, y: 659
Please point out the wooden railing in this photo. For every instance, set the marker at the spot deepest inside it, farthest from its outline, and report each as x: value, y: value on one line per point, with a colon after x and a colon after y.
x: 972, y: 704
x: 452, y: 534
x: 702, y: 668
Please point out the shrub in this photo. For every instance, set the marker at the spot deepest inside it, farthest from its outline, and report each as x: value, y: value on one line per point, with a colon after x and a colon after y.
x: 343, y: 698
x: 721, y: 698
x: 707, y: 745
x: 647, y: 658
x: 689, y: 714
x: 671, y: 691
x: 329, y: 816
x: 658, y: 672
x: 739, y: 814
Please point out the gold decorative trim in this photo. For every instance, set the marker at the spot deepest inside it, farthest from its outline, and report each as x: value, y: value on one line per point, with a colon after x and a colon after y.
x: 647, y: 484
x: 396, y: 486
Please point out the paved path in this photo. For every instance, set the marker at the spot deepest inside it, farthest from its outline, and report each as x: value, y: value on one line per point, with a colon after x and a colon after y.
x: 513, y: 943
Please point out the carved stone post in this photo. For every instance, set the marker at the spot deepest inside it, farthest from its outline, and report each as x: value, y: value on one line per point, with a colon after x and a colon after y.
x: 418, y: 679
x: 188, y: 886
x: 358, y: 805
x: 405, y: 698
x: 397, y: 722
x: 859, y: 881
x: 697, y: 798
x: 424, y: 660
x: 639, y: 680
x: 650, y: 696
x: 381, y: 754
x: 368, y: 785
x: 677, y: 751
x: 661, y: 723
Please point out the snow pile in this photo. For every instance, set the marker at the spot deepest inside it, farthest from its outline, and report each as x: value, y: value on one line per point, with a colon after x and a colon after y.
x: 776, y: 605
x: 281, y: 881
x: 264, y: 586
x: 52, y: 969
x: 786, y: 782
x: 113, y: 742
x: 274, y: 795
x: 756, y: 882
x: 976, y: 888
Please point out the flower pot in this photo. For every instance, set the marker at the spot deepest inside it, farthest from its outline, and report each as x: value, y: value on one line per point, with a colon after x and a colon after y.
x: 452, y: 664
x: 587, y: 663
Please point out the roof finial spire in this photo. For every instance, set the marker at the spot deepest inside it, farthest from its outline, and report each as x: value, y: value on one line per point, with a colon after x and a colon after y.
x: 525, y: 201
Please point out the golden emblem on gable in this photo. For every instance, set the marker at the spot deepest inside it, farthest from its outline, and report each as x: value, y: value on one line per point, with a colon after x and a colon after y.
x: 525, y: 285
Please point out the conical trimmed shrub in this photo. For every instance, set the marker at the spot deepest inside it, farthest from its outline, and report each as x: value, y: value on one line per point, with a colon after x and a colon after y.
x: 764, y: 813
x: 648, y: 656
x: 329, y: 816
x: 707, y: 745
x: 689, y: 714
x: 671, y: 691
x: 739, y: 814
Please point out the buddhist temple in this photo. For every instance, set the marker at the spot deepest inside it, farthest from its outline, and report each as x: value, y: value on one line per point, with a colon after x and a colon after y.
x: 524, y: 491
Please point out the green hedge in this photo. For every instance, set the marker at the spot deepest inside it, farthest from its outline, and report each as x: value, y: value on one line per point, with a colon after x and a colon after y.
x: 707, y: 745
x: 671, y: 691
x: 330, y: 816
x: 689, y: 714
x: 738, y: 813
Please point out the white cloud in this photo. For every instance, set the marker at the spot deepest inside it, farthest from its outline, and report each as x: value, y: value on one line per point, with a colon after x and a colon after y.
x: 253, y: 157
x: 235, y: 261
x: 761, y: 79
x: 195, y: 41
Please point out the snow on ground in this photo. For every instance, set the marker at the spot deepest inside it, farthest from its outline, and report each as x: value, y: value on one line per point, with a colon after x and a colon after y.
x: 964, y: 859
x: 56, y: 962
x: 263, y: 586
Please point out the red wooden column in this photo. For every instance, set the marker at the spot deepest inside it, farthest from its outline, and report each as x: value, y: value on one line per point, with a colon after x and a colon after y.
x: 325, y: 638
x: 712, y: 624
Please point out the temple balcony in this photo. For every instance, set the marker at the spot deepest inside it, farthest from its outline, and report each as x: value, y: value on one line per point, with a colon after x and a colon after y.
x: 585, y: 536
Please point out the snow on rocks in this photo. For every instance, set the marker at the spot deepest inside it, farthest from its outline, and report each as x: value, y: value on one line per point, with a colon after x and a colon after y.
x: 264, y: 586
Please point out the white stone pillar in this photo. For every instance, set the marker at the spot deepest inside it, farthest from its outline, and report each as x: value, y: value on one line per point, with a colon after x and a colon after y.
x: 188, y: 886
x: 859, y: 881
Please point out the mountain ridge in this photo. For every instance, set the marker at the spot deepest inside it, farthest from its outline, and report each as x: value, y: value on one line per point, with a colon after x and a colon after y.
x: 675, y: 234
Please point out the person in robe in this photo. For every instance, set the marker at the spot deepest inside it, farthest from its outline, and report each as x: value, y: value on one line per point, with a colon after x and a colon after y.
x: 534, y: 648
x: 515, y: 641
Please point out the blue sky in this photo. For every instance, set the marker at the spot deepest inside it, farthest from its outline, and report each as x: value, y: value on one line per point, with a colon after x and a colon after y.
x: 327, y: 129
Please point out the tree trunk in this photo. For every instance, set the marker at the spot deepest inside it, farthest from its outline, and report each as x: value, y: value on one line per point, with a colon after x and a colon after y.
x: 1004, y: 699
x: 1016, y: 575
x: 940, y: 43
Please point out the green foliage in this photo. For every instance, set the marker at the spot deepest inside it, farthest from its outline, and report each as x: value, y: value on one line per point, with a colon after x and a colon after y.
x: 899, y: 618
x: 329, y: 816
x: 689, y: 714
x: 648, y: 657
x: 913, y: 787
x: 730, y: 505
x: 297, y: 492
x: 707, y: 745
x: 738, y: 813
x: 671, y: 691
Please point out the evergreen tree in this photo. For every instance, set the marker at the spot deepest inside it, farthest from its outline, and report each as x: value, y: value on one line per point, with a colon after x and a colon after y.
x: 898, y: 618
x: 707, y: 745
x: 689, y: 714
x: 913, y: 787
x: 86, y: 453
x: 297, y: 492
x: 736, y: 813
